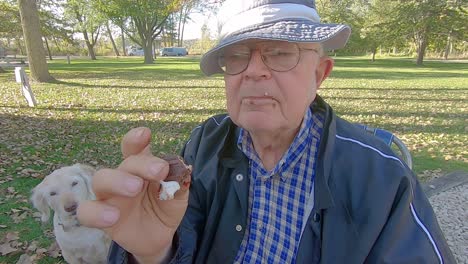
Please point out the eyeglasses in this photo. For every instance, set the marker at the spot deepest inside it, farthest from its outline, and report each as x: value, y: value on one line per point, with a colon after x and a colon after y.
x: 278, y: 56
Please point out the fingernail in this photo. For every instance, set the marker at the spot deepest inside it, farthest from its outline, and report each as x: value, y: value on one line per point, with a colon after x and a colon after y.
x: 155, y: 169
x: 133, y: 185
x: 109, y: 216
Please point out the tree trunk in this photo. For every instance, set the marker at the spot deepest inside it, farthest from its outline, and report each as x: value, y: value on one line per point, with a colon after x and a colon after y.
x: 20, y: 47
x: 48, y: 49
x: 33, y: 38
x: 182, y: 35
x: 112, y: 40
x: 421, y: 50
x: 148, y: 50
x: 374, y: 51
x: 448, y: 47
x: 183, y: 29
x: 179, y: 28
x: 90, y: 47
x: 155, y: 49
x: 123, y: 41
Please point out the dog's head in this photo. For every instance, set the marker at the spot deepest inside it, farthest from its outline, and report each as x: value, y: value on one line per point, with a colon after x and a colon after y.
x: 62, y: 191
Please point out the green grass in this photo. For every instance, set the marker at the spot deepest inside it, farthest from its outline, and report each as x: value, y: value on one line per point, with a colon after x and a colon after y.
x: 84, y: 114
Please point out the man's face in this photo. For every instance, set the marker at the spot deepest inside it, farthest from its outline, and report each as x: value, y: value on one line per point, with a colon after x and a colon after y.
x: 262, y: 100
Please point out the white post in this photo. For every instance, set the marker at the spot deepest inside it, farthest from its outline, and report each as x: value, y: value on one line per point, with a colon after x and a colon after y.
x: 22, y: 78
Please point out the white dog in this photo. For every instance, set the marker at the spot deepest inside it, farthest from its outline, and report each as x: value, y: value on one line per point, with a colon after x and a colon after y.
x: 62, y: 191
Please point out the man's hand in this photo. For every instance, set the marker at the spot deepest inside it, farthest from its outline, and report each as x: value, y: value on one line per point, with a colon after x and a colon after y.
x: 127, y: 205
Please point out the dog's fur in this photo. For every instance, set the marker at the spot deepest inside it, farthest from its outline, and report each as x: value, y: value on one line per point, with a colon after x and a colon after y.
x: 62, y: 191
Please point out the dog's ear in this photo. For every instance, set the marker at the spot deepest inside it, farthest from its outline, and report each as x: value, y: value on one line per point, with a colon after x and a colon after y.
x: 87, y: 172
x: 39, y: 201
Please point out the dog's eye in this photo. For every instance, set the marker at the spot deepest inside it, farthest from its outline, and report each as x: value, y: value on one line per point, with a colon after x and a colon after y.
x: 74, y: 183
x: 52, y: 193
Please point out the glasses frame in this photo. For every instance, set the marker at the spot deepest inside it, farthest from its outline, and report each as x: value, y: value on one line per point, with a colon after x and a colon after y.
x: 300, y: 49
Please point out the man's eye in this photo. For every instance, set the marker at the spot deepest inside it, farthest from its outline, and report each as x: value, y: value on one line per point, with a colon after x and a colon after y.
x: 277, y: 52
x: 52, y: 193
x: 74, y: 183
x: 238, y: 56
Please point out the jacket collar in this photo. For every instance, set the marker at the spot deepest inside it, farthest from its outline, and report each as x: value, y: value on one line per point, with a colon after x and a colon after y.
x: 323, y: 196
x: 231, y: 157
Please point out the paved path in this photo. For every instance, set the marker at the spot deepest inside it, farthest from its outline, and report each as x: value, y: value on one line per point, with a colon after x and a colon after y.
x: 449, y: 198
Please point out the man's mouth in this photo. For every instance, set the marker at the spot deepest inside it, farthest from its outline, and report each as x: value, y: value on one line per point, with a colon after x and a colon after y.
x: 258, y: 100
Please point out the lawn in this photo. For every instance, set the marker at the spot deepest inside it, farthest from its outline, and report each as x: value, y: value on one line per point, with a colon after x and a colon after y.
x: 84, y: 114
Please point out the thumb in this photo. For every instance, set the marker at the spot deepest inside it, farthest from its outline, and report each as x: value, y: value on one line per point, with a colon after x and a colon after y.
x: 136, y: 141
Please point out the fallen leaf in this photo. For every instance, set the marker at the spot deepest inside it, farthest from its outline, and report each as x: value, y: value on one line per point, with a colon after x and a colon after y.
x: 54, y: 250
x: 33, y: 246
x: 10, y: 236
x: 41, y: 251
x: 6, y: 249
x: 37, y: 215
x: 25, y: 259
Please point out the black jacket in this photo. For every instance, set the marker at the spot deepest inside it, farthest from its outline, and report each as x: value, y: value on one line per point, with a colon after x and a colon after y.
x: 369, y: 207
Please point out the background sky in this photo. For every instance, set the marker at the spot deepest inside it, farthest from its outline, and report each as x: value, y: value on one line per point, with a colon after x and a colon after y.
x: 193, y: 28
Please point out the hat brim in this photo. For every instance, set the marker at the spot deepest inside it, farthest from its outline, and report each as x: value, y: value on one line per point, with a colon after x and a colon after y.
x: 331, y: 36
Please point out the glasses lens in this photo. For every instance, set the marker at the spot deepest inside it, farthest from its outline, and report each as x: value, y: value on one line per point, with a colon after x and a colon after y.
x: 280, y: 56
x: 234, y: 59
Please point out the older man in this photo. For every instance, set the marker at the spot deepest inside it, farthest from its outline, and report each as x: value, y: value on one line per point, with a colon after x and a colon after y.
x: 280, y: 179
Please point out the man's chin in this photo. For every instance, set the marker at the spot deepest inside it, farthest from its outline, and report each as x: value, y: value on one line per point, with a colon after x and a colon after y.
x: 258, y: 126
x: 259, y: 121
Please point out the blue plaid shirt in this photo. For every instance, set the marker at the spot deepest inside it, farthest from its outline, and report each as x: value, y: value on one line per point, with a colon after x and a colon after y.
x: 278, y: 198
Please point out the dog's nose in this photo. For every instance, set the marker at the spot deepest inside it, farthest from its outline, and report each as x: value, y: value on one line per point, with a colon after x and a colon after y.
x: 71, y: 207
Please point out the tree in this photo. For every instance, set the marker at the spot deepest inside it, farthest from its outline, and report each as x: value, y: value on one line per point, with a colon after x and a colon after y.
x: 141, y: 22
x: 33, y: 38
x: 88, y: 21
x: 453, y: 25
x: 420, y: 21
x: 378, y: 28
x: 10, y: 27
x: 109, y: 32
x: 54, y: 26
x: 191, y: 6
x: 168, y: 32
x: 349, y: 12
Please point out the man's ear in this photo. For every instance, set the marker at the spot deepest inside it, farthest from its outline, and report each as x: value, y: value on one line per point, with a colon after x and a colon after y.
x: 323, y: 70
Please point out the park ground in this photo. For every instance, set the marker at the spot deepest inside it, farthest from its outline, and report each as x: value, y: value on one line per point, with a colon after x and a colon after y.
x: 82, y: 116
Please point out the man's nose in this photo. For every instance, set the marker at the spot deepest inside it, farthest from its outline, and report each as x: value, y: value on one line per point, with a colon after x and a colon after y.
x: 257, y: 67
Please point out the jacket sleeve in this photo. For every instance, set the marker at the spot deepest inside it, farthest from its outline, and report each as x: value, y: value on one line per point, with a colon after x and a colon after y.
x: 411, y: 233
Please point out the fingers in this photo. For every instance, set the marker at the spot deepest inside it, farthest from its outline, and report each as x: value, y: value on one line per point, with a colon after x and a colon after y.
x: 129, y: 178
x: 109, y: 182
x: 146, y: 166
x: 136, y: 141
x: 97, y: 214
